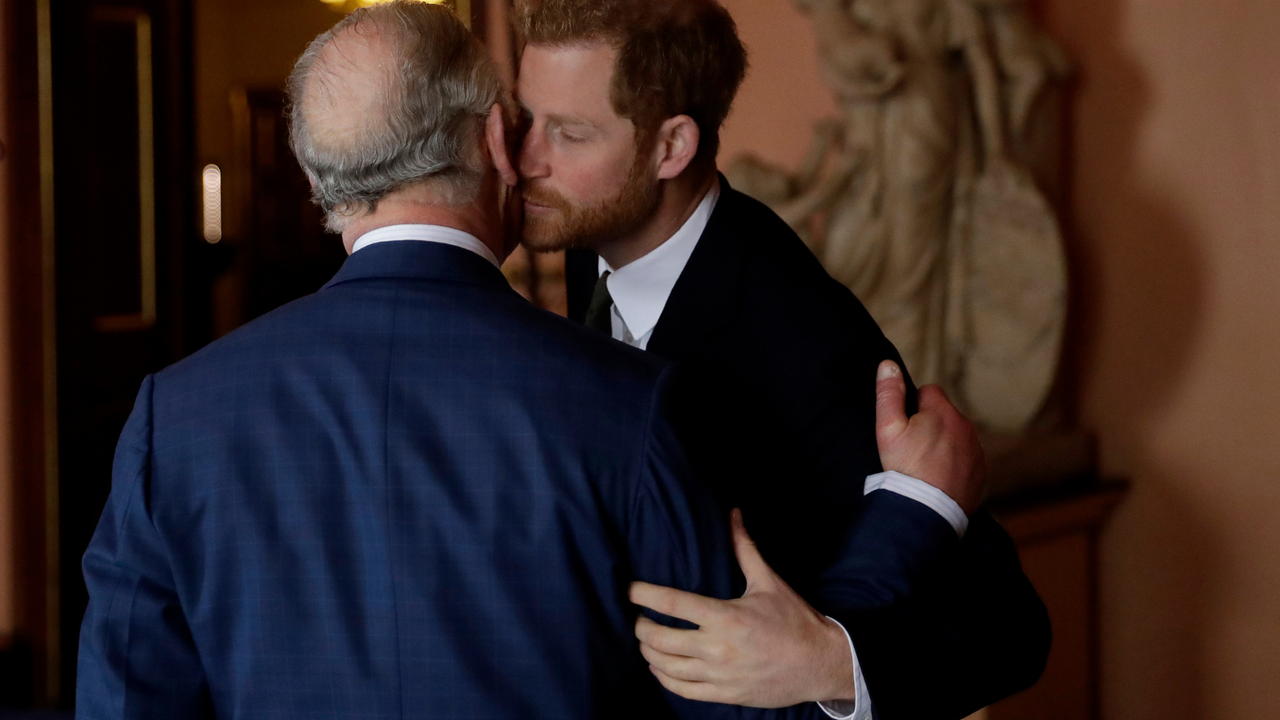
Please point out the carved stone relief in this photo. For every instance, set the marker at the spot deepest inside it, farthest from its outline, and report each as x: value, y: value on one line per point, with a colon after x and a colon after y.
x: 922, y: 195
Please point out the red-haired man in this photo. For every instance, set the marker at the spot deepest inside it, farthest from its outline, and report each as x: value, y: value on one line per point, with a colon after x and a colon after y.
x: 906, y: 597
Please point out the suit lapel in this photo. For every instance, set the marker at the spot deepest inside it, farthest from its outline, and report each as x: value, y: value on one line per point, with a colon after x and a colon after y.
x: 706, y: 299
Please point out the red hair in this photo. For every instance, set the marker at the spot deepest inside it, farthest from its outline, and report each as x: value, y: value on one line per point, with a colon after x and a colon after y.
x: 675, y: 57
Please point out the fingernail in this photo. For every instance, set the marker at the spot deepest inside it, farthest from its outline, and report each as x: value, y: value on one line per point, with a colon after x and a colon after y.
x: 888, y: 369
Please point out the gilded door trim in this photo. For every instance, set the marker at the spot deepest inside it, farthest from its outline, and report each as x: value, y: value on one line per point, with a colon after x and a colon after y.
x: 49, y: 346
x: 145, y: 318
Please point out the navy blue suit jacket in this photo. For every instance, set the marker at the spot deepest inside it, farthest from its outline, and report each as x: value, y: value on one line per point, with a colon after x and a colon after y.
x: 786, y: 360
x: 409, y: 495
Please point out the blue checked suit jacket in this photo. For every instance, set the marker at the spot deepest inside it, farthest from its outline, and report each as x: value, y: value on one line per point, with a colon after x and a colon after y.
x: 410, y: 495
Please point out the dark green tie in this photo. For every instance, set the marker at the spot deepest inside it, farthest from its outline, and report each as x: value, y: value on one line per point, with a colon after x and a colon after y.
x: 598, y: 312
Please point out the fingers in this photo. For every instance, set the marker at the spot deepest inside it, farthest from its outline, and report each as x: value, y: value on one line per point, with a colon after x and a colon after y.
x: 701, y: 691
x: 696, y: 609
x: 891, y: 403
x: 676, y: 666
x: 758, y: 573
x: 668, y: 640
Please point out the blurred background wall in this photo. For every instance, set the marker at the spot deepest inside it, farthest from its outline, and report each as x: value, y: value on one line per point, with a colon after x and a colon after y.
x: 1176, y: 232
x: 1173, y: 230
x: 245, y: 43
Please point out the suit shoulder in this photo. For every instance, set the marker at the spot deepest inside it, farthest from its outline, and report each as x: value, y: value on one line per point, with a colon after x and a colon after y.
x: 255, y: 340
x: 584, y: 355
x: 783, y: 284
x: 331, y: 323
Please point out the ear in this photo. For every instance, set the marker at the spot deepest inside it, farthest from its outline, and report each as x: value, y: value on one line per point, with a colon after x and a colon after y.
x: 677, y: 146
x: 496, y: 133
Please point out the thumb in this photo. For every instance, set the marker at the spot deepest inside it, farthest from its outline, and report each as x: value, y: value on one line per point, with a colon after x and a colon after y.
x: 934, y: 400
x: 891, y: 404
x: 758, y: 573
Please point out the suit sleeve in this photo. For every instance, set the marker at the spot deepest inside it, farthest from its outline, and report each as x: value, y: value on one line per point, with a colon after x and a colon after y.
x: 925, y: 610
x: 137, y: 657
x: 895, y: 544
x: 966, y: 625
x: 679, y: 537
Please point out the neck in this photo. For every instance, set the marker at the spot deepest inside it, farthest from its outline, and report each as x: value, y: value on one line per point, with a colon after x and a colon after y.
x: 679, y: 197
x: 471, y: 219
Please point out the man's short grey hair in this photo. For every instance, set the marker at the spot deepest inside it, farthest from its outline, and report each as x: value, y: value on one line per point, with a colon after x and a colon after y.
x: 430, y: 112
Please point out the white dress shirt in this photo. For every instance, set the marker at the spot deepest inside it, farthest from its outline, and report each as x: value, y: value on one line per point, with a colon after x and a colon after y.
x: 640, y: 291
x: 426, y: 233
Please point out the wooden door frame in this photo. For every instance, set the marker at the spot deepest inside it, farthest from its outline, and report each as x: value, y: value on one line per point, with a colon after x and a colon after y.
x: 32, y: 339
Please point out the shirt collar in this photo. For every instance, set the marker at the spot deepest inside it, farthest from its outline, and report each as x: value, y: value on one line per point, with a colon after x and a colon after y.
x: 641, y: 288
x: 426, y: 233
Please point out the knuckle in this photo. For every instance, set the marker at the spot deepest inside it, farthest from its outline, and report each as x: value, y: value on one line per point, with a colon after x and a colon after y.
x: 718, y: 652
x: 652, y: 640
x: 716, y: 614
x: 731, y: 624
x: 729, y: 654
x: 649, y: 655
x: 732, y: 696
x: 661, y: 643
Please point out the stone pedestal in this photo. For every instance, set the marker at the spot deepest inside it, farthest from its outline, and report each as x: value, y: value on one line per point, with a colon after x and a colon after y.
x: 1019, y: 464
x: 1056, y: 531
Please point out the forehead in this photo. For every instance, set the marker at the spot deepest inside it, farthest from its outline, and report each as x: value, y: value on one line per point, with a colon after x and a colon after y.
x: 568, y: 79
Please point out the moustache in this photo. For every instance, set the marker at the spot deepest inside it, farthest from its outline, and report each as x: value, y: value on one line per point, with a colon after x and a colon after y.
x: 546, y: 197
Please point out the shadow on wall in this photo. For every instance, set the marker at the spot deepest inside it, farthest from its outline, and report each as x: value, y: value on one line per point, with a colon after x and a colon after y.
x: 1163, y: 560
x: 1137, y: 306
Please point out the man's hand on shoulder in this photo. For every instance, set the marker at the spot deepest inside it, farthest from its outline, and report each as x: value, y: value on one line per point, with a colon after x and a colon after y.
x: 937, y: 445
x: 768, y: 648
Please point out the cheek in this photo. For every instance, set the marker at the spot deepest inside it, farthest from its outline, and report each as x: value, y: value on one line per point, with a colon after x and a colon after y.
x: 588, y: 177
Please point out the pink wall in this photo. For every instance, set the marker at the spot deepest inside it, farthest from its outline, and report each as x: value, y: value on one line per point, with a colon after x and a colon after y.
x: 782, y: 95
x: 1174, y: 236
x: 1176, y: 218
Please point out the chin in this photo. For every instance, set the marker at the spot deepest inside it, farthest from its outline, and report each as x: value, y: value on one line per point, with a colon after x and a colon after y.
x: 543, y: 239
x: 542, y: 248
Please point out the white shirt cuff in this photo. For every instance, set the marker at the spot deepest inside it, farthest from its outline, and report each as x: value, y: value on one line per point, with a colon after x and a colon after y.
x: 921, y: 492
x: 860, y: 707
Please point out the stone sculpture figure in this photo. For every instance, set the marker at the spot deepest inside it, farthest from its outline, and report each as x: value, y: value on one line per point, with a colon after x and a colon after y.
x: 915, y: 200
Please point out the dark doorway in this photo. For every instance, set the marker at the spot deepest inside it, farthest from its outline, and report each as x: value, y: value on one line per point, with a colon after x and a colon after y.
x: 127, y: 302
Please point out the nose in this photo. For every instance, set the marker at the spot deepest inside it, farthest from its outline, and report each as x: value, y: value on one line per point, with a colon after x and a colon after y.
x: 533, y: 156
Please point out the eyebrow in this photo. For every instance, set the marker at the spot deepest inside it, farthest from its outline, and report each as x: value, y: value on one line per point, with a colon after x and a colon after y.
x: 560, y: 119
x: 571, y: 120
